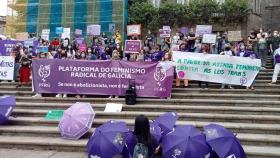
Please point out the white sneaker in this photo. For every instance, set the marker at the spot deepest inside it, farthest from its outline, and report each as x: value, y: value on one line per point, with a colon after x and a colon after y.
x: 58, y: 96
x: 37, y: 95
x: 116, y: 96
x: 111, y: 96
x: 64, y: 95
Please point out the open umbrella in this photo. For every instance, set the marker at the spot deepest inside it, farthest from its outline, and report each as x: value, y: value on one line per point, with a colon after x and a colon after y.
x: 185, y: 141
x: 155, y: 131
x: 167, y: 121
x: 108, y: 140
x: 7, y: 104
x: 76, y: 121
x: 223, y: 142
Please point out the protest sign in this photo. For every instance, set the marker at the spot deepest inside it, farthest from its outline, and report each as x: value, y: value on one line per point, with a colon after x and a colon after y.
x: 132, y: 46
x: 22, y: 36
x: 78, y: 32
x: 59, y: 30
x: 113, y: 107
x: 164, y: 33
x: 166, y: 28
x: 203, y: 29
x: 83, y: 47
x: 234, y: 36
x: 216, y: 68
x: 6, y: 46
x: 93, y: 30
x: 133, y: 30
x: 112, y: 28
x: 45, y: 34
x: 101, y: 77
x: 66, y: 33
x: 184, y: 30
x: 7, y: 67
x: 209, y: 38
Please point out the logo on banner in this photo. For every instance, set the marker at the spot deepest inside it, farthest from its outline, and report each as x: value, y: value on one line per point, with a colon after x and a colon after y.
x: 159, y: 74
x: 243, y: 80
x: 177, y: 152
x: 44, y: 72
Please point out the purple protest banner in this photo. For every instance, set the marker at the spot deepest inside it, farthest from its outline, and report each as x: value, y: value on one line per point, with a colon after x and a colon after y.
x: 6, y: 46
x: 203, y: 29
x: 132, y: 46
x: 101, y: 77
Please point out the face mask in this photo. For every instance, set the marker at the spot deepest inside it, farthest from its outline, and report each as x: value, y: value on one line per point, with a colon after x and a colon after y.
x: 242, y: 47
x: 78, y: 54
x: 89, y: 51
x: 83, y: 55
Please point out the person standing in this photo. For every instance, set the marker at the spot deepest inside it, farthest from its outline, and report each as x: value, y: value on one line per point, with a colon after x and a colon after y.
x: 227, y: 52
x: 262, y: 49
x: 276, y: 56
x: 253, y: 55
x: 274, y: 41
x: 191, y: 40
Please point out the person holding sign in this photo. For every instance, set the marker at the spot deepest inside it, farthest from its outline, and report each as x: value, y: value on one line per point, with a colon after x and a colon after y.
x: 227, y: 52
x: 253, y: 55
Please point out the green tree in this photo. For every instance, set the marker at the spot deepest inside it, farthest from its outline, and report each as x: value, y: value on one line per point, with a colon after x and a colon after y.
x: 235, y: 11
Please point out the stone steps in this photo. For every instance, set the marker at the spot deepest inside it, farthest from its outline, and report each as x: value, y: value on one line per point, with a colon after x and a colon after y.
x: 254, y: 128
x: 270, y: 119
x: 163, y: 108
x: 45, y: 132
x: 148, y: 101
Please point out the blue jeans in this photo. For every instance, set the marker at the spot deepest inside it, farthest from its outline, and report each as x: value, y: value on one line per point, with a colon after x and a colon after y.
x: 17, y: 65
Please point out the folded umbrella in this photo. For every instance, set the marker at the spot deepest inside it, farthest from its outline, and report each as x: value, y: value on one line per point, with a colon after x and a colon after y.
x: 7, y: 105
x: 223, y: 142
x: 185, y: 141
x: 108, y: 140
x: 167, y: 121
x: 76, y: 121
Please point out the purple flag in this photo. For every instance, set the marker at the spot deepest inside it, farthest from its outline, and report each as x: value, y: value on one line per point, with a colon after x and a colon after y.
x: 6, y: 46
x: 101, y: 77
x: 132, y: 46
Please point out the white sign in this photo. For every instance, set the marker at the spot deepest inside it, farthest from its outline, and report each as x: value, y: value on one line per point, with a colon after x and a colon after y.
x: 133, y: 30
x: 7, y: 67
x: 112, y: 107
x: 216, y: 68
x: 93, y: 30
x: 209, y: 38
x: 66, y: 33
x: 234, y: 36
x: 45, y: 34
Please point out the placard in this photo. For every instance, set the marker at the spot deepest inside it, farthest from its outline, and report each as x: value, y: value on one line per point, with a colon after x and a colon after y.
x: 78, y: 32
x: 216, y: 68
x: 7, y: 67
x: 45, y: 34
x: 234, y: 36
x: 203, y: 29
x: 59, y: 30
x: 132, y: 46
x: 164, y: 33
x: 209, y: 38
x: 83, y: 47
x: 93, y: 30
x: 22, y: 36
x: 43, y: 49
x: 66, y: 33
x: 112, y: 28
x: 133, y: 30
x: 113, y: 107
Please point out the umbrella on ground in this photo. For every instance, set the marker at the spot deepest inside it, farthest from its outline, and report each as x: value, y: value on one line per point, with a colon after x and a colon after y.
x: 185, y: 141
x: 7, y: 104
x: 108, y: 140
x: 76, y: 121
x: 167, y: 121
x: 223, y: 142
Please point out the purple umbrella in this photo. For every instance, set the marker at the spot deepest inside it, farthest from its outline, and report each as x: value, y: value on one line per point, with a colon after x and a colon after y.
x: 185, y: 141
x: 76, y: 121
x: 223, y: 142
x: 167, y: 121
x: 7, y: 105
x: 130, y: 142
x: 108, y: 140
x: 155, y: 132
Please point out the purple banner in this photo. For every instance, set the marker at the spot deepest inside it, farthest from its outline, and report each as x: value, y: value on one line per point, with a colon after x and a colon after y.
x: 101, y: 77
x: 132, y: 46
x: 6, y: 46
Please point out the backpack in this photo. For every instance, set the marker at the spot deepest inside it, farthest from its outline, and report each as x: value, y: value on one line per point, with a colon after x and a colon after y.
x: 140, y: 151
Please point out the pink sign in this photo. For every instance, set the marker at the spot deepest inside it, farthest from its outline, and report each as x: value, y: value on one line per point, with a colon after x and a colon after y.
x: 132, y: 46
x: 83, y: 47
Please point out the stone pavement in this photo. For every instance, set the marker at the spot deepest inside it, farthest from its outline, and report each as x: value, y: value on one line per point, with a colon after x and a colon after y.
x: 18, y: 153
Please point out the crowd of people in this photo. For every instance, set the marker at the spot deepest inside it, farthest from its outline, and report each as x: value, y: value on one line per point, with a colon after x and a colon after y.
x: 259, y: 45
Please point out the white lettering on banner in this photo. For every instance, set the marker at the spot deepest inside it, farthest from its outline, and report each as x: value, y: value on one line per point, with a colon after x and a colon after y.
x: 96, y: 69
x: 7, y: 64
x: 216, y: 68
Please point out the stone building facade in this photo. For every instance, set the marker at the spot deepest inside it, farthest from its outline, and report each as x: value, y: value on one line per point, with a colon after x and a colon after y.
x: 2, y: 24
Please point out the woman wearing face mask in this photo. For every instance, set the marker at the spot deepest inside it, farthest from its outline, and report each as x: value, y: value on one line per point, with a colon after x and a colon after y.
x: 262, y: 49
x: 253, y: 55
x: 241, y: 51
x: 227, y: 52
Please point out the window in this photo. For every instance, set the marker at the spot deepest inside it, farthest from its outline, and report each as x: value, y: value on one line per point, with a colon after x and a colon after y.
x: 256, y: 6
x: 156, y: 3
